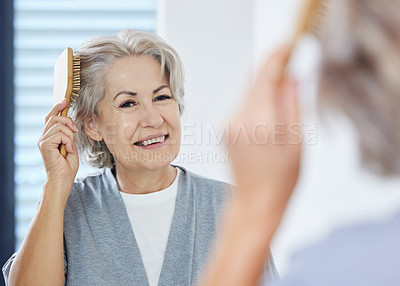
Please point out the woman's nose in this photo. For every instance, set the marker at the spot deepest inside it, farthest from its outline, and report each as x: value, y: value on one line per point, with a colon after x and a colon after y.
x: 151, y: 117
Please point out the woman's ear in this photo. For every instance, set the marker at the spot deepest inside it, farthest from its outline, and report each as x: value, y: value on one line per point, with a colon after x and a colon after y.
x: 92, y: 129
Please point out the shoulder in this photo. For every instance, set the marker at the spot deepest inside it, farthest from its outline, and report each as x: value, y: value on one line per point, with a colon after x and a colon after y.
x: 89, y: 181
x: 368, y: 253
x: 205, y: 189
x: 91, y: 188
x: 204, y: 184
x: 205, y: 197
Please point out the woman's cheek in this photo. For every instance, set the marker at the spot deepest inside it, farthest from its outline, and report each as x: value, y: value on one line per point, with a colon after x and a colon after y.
x: 127, y: 134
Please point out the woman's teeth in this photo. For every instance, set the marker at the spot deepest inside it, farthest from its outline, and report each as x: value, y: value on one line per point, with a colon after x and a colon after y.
x: 152, y: 141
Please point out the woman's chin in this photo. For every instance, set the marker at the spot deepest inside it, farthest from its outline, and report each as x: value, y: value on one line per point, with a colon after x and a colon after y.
x: 149, y: 161
x: 156, y: 165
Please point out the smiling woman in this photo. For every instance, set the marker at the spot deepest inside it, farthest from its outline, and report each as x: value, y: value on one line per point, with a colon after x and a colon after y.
x: 139, y: 108
x: 141, y: 220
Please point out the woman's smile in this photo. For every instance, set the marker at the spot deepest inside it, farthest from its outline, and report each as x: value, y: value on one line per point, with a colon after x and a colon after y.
x: 152, y: 142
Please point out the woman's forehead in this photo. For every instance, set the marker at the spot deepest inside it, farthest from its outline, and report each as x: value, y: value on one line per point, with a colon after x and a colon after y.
x: 137, y: 72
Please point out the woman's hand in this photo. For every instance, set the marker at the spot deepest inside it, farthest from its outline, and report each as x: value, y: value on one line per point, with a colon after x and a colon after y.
x: 264, y: 143
x: 42, y: 251
x: 59, y: 130
x: 265, y: 140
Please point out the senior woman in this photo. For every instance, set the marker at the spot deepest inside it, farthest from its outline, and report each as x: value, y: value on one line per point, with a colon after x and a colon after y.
x: 141, y: 220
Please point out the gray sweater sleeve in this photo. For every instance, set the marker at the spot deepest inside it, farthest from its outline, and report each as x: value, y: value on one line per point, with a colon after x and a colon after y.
x: 7, y: 266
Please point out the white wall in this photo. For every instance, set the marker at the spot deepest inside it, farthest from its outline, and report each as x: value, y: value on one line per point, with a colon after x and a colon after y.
x: 221, y: 43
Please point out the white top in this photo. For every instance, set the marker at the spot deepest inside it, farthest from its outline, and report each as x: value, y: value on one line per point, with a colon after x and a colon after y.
x: 151, y: 217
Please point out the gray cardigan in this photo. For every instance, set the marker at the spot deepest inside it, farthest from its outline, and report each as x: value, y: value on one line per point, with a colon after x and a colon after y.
x: 100, y: 246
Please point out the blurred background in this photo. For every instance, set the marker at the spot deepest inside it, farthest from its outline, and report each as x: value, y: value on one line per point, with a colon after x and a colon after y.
x: 222, y: 44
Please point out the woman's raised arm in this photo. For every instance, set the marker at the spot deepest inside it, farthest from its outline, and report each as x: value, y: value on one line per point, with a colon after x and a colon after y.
x: 40, y: 260
x: 264, y: 144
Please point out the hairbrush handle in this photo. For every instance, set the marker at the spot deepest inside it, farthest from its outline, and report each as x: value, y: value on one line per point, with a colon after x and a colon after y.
x: 62, y: 147
x: 66, y: 82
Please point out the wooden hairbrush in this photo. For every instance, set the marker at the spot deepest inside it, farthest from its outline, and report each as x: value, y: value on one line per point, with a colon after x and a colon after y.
x: 309, y: 19
x: 66, y: 82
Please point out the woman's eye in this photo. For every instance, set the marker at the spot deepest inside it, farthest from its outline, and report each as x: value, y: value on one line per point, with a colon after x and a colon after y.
x: 162, y: 97
x: 127, y: 104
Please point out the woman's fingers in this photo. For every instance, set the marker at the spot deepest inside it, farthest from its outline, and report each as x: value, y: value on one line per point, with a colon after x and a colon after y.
x: 52, y: 142
x: 273, y: 98
x: 59, y: 128
x: 270, y: 76
x: 265, y: 136
x: 54, y: 119
x: 56, y: 110
x: 263, y: 103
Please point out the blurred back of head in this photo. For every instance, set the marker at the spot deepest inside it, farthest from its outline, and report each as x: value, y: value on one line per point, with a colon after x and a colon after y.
x: 360, y: 75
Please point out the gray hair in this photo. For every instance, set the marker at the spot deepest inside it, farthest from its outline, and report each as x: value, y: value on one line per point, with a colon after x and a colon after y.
x: 360, y: 75
x: 96, y: 55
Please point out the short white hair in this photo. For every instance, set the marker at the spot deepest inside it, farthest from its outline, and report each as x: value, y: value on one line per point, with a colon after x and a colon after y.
x: 96, y: 55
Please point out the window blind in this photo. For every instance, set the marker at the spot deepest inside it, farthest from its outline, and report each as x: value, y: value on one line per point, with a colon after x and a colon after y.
x: 42, y: 30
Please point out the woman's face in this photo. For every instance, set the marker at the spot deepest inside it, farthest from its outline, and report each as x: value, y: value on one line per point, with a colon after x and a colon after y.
x: 139, y: 118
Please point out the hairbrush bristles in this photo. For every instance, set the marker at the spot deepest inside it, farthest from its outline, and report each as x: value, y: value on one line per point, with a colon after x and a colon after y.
x: 76, y: 80
x: 66, y: 82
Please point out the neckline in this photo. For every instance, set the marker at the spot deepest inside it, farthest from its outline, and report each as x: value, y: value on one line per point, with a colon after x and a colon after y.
x: 183, y: 218
x: 113, y: 173
x: 152, y: 199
